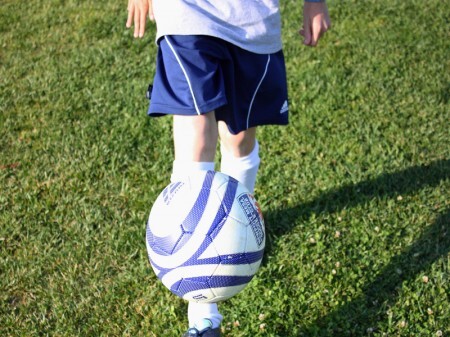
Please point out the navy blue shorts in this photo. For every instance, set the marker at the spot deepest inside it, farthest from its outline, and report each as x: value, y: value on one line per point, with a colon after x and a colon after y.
x: 199, y: 74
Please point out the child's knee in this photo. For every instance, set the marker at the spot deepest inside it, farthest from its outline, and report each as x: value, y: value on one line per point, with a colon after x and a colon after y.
x: 239, y: 145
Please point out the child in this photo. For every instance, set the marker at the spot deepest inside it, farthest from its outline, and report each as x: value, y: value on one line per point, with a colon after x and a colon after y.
x: 220, y: 73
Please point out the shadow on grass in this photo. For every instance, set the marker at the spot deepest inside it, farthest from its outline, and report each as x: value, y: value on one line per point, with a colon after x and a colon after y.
x: 385, y: 186
x: 377, y: 296
x: 370, y: 307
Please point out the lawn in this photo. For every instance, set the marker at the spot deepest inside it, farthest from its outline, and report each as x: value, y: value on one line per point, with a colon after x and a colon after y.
x: 355, y: 191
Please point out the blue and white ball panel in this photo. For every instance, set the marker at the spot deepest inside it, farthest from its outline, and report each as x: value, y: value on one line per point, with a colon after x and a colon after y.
x: 207, y: 266
x: 177, y: 229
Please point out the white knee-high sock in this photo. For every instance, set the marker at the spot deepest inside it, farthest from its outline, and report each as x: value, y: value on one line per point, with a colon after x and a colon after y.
x: 197, y: 311
x: 181, y: 168
x: 243, y: 169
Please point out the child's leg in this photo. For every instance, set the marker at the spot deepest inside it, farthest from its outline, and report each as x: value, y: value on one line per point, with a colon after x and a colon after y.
x: 195, y: 142
x: 240, y: 158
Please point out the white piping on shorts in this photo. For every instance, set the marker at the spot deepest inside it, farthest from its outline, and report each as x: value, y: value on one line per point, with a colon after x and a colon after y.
x: 256, y: 91
x: 185, y: 74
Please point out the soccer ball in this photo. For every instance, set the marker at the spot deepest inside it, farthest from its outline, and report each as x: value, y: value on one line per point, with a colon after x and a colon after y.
x: 205, y: 237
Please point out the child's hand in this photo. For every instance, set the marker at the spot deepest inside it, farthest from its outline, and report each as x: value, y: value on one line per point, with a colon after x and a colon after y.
x: 316, y: 21
x: 137, y: 13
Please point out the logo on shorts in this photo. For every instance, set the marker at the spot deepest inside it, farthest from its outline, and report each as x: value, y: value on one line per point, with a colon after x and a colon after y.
x: 284, y: 107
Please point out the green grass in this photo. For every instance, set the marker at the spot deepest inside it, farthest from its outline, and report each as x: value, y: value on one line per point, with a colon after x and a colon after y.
x: 355, y: 191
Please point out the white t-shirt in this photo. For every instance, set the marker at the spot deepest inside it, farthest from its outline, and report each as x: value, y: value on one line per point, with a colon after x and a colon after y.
x: 254, y: 25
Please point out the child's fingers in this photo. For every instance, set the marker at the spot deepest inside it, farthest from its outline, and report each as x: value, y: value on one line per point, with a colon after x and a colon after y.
x: 130, y: 16
x: 320, y: 27
x: 136, y: 23
x: 316, y: 34
x: 143, y: 20
x: 137, y: 15
x: 307, y: 35
x: 150, y: 10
